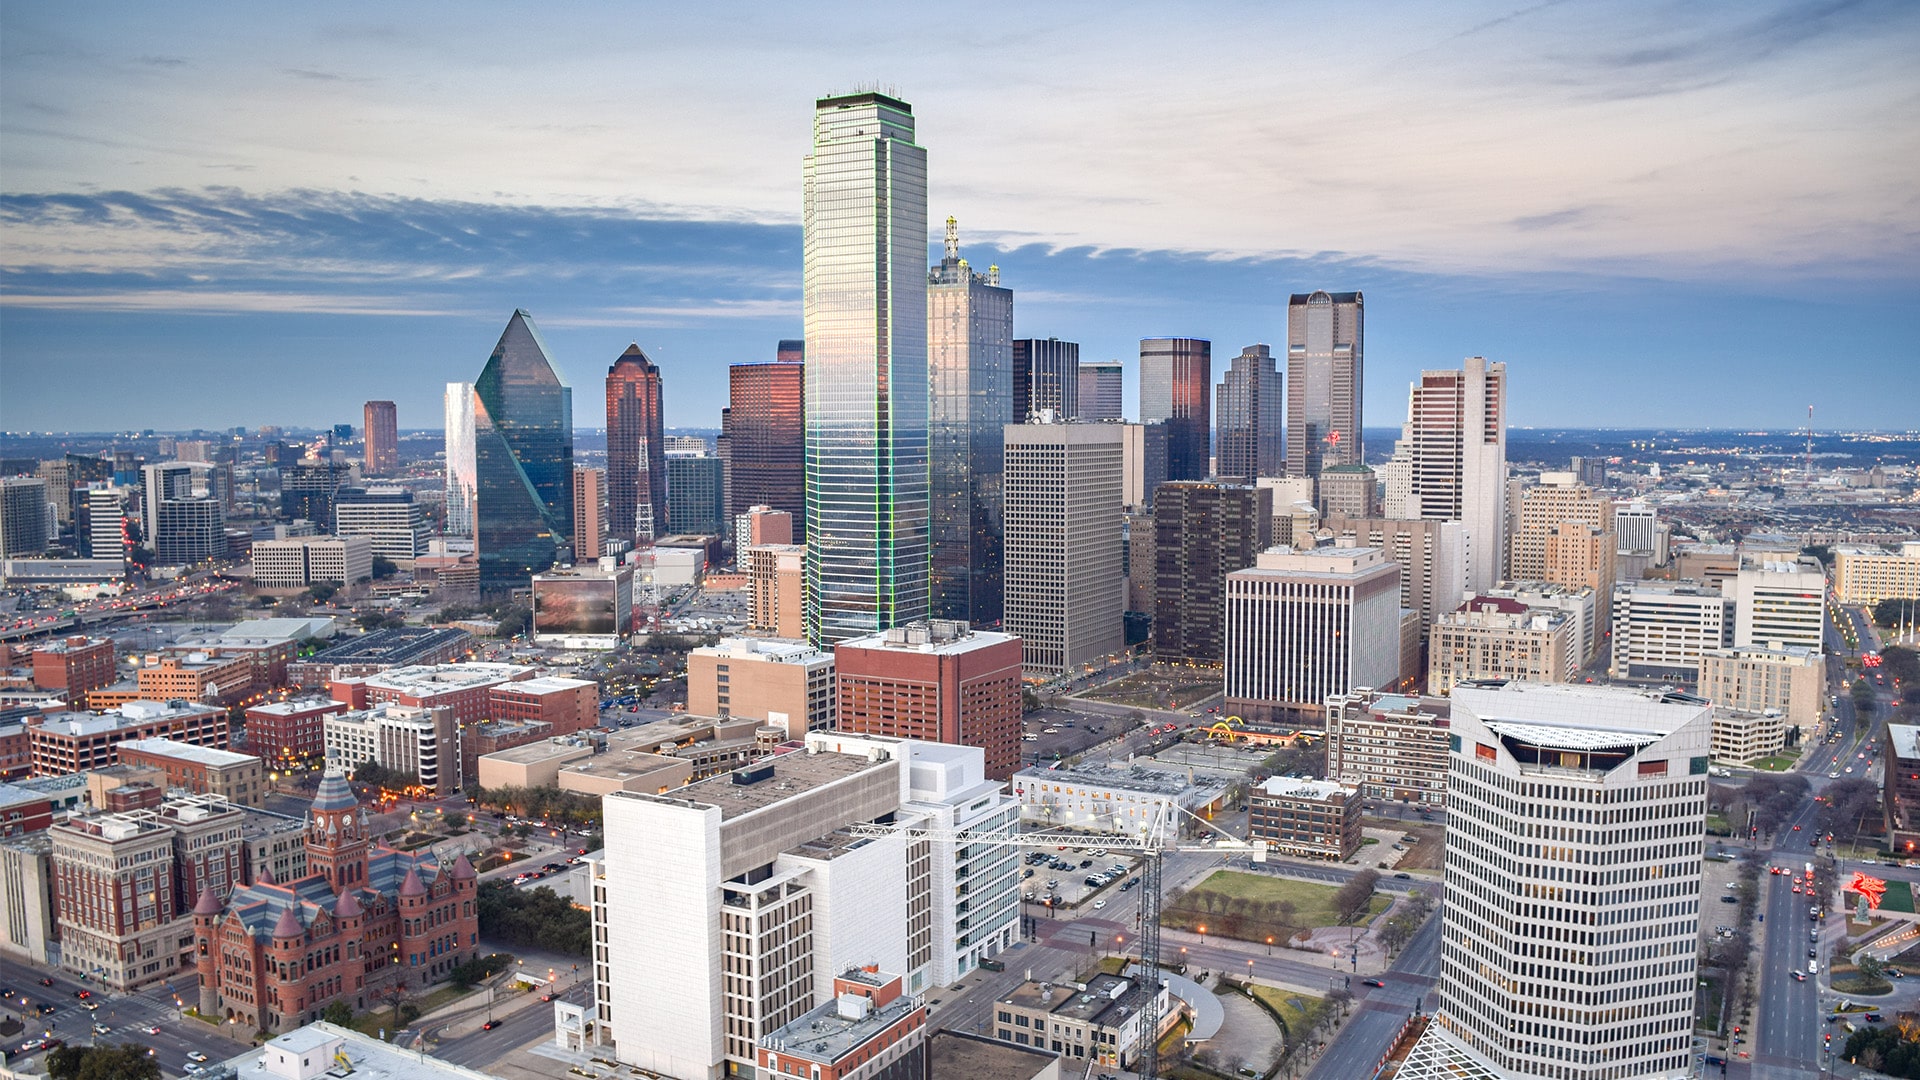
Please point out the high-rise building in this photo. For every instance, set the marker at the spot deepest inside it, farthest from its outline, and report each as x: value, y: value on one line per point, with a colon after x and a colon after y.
x: 785, y: 684
x: 383, y: 438
x: 1202, y: 532
x: 1535, y: 933
x: 938, y: 681
x: 310, y: 489
x: 970, y: 363
x: 106, y: 534
x: 1046, y: 375
x: 301, y: 561
x: 1757, y: 679
x: 1250, y: 399
x: 390, y: 517
x: 865, y: 243
x: 636, y: 449
x: 1145, y: 450
x: 26, y: 524
x: 462, y: 481
x: 1300, y: 626
x: 1641, y: 539
x: 1661, y: 628
x: 1348, y: 491
x: 1494, y: 638
x: 589, y: 513
x: 777, y: 589
x: 184, y: 521
x: 1457, y: 439
x: 695, y: 502
x: 1868, y: 575
x: 1066, y: 594
x: 1780, y: 602
x: 1326, y: 350
x: 1558, y: 498
x: 765, y: 437
x: 1579, y: 554
x: 762, y: 525
x: 1101, y: 394
x: 1175, y: 377
x: 1433, y: 558
x: 523, y: 459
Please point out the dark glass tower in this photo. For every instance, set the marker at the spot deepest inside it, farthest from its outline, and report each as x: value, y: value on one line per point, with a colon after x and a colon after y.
x: 1046, y: 375
x: 523, y: 459
x: 636, y: 449
x: 1176, y: 378
x: 765, y: 438
x: 1251, y: 443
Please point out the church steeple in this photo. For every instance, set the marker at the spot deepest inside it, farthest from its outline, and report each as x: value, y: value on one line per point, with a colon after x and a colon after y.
x: 337, y: 834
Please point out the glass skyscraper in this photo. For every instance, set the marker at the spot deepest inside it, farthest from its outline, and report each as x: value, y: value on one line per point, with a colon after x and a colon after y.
x: 523, y: 459
x: 1176, y: 378
x: 865, y: 228
x: 1326, y: 366
x: 969, y: 353
x: 636, y: 449
x: 460, y: 479
x: 763, y: 437
x: 1046, y: 375
x: 1250, y: 398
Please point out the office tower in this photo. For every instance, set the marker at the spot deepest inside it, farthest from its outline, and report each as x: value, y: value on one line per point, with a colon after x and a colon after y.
x: 1202, y: 531
x: 1175, y: 377
x: 1457, y: 434
x: 1661, y: 628
x: 1591, y: 471
x: 523, y: 459
x: 1572, y: 957
x: 1492, y: 638
x: 1100, y: 391
x: 309, y: 490
x: 1433, y: 558
x: 184, y: 523
x: 1780, y: 602
x: 695, y: 503
x: 55, y: 474
x: 1046, y: 375
x: 1303, y: 625
x: 1348, y: 491
x: 1326, y: 376
x: 300, y: 561
x: 462, y: 483
x: 636, y: 449
x: 1391, y: 746
x: 1250, y: 397
x: 1558, y: 498
x: 1066, y: 594
x: 383, y: 438
x: 26, y: 525
x: 938, y: 681
x: 1292, y: 504
x: 865, y: 243
x: 1144, y: 447
x: 390, y: 517
x: 1641, y: 539
x: 1578, y: 554
x: 1754, y: 678
x: 750, y: 894
x: 68, y: 479
x: 1864, y: 574
x: 969, y: 360
x: 777, y: 589
x: 1396, y: 479
x: 788, y: 684
x: 790, y: 351
x: 1141, y: 567
x: 589, y: 513
x: 107, y: 522
x: 1579, y: 603
x: 762, y: 525
x: 765, y: 436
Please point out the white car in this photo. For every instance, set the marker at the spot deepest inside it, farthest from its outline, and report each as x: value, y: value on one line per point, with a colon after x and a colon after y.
x: 1098, y: 904
x: 195, y: 1055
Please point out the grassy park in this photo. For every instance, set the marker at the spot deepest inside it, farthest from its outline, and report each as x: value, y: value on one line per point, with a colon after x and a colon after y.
x: 1155, y: 690
x: 1255, y: 907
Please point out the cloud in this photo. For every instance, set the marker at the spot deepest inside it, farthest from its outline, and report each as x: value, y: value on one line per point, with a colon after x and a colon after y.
x: 180, y: 301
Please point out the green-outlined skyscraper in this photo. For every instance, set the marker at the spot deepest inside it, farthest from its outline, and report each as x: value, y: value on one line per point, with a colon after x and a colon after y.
x: 866, y: 373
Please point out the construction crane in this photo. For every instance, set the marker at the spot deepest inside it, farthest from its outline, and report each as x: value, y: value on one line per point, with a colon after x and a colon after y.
x: 1157, y: 837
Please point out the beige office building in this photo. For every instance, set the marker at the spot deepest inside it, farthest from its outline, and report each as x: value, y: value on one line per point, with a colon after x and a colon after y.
x: 1556, y: 500
x: 1756, y: 678
x: 1780, y: 602
x: 788, y: 684
x: 1065, y: 591
x: 1392, y: 747
x: 1496, y: 638
x: 1868, y: 575
x: 1742, y: 736
x: 777, y: 589
x: 1434, y: 557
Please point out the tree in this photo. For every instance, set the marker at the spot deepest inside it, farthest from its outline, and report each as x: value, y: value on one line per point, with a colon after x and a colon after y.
x: 1355, y: 895
x: 1862, y: 693
x: 383, y: 568
x: 540, y: 919
x: 368, y: 772
x: 125, y: 1061
x: 337, y: 1012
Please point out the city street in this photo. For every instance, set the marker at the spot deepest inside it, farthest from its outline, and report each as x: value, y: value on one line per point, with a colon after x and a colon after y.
x: 127, y: 1016
x: 1380, y: 1012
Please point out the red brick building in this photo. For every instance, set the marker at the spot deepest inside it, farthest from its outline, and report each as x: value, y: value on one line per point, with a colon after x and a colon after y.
x: 75, y: 742
x: 287, y: 731
x: 938, y: 681
x: 23, y: 810
x: 16, y: 750
x: 464, y: 688
x: 366, y: 917
x: 570, y: 705
x: 76, y: 665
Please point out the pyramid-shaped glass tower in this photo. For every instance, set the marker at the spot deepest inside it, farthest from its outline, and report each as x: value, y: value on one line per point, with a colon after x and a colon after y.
x: 523, y: 459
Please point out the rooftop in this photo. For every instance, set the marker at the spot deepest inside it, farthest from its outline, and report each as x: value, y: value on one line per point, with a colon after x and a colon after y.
x: 784, y: 777
x: 1612, y: 709
x: 203, y: 755
x: 543, y: 750
x: 1316, y: 790
x: 265, y: 631
x: 445, y: 678
x: 132, y: 714
x: 777, y: 650
x: 1134, y: 778
x: 1904, y: 741
x: 936, y: 636
x: 956, y: 1054
x: 319, y: 1049
x: 831, y: 1031
x: 548, y: 684
x: 1333, y: 561
x: 397, y: 645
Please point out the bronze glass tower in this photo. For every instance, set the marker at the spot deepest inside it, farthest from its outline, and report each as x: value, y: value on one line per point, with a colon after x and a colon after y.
x: 1176, y: 381
x: 636, y: 449
x: 1249, y: 417
x: 764, y: 435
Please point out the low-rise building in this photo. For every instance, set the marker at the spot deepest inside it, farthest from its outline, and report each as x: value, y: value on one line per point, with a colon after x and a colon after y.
x: 1127, y: 801
x: 1782, y: 679
x: 566, y: 705
x: 788, y: 684
x: 240, y: 779
x: 321, y: 1050
x: 492, y: 737
x: 370, y: 654
x: 74, y: 665
x: 298, y: 562
x: 934, y: 681
x: 463, y: 688
x: 868, y: 1031
x: 23, y: 810
x: 534, y: 765
x: 422, y: 742
x: 190, y: 676
x: 63, y: 743
x: 1740, y: 736
x: 1491, y: 637
x: 957, y: 1055
x: 284, y: 732
x: 1101, y: 1022
x: 1900, y: 788
x: 586, y: 606
x: 600, y: 774
x: 1315, y: 818
x: 1392, y: 747
x: 1867, y: 575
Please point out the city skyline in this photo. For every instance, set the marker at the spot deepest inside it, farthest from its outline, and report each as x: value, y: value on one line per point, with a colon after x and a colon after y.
x: 1725, y: 214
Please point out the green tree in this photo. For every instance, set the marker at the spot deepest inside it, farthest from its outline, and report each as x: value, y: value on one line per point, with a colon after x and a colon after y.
x: 383, y: 568
x: 540, y: 919
x: 337, y: 1012
x: 125, y: 1061
x: 1862, y: 692
x: 321, y: 591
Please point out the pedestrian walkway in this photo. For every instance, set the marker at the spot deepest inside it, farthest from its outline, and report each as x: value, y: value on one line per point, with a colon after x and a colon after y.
x: 1207, y: 1012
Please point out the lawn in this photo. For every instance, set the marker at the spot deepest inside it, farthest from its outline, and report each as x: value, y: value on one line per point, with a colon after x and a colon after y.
x: 1248, y: 907
x: 1147, y: 690
x: 1706, y: 1017
x: 1776, y: 763
x: 371, y: 1023
x: 1297, y: 1011
x: 1898, y: 897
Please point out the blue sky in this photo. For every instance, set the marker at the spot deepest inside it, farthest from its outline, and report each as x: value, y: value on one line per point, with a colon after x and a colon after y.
x: 1656, y: 214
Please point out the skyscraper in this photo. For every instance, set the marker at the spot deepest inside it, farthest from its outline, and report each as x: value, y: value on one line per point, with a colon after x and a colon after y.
x: 694, y: 500
x: 1250, y: 396
x: 461, y: 481
x: 1066, y: 593
x: 1457, y: 441
x: 1576, y: 821
x: 589, y: 513
x: 636, y: 449
x: 1046, y: 375
x: 1202, y: 531
x: 184, y: 521
x: 969, y: 360
x: 25, y: 523
x: 1325, y: 372
x: 1175, y: 377
x: 865, y: 243
x: 1100, y: 391
x: 383, y: 438
x: 523, y: 459
x: 764, y: 436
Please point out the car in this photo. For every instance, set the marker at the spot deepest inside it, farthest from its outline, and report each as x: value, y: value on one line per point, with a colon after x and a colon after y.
x: 489, y: 1025
x: 546, y: 997
x: 1796, y: 887
x: 1098, y: 904
x: 1799, y: 976
x: 1729, y: 899
x: 153, y: 1029
x: 1813, y: 954
x: 1773, y: 870
x: 1833, y: 776
x: 1796, y: 828
x: 195, y: 1055
x: 1372, y: 982
x: 1873, y: 1018
x: 1403, y: 876
x: 90, y: 1006
x: 43, y: 982
x: 102, y: 1029
x: 83, y: 994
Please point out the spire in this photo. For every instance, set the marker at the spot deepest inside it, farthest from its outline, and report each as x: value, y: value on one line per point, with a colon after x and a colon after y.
x: 288, y: 926
x: 335, y: 792
x: 462, y: 869
x: 953, y: 237
x: 346, y: 907
x: 413, y: 886
x: 209, y: 904
x: 266, y: 877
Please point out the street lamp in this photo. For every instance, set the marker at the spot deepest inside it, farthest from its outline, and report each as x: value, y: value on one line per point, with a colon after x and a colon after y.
x: 1269, y: 944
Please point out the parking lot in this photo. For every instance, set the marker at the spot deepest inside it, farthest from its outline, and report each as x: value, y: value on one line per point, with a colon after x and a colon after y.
x: 1065, y: 872
x: 1057, y: 733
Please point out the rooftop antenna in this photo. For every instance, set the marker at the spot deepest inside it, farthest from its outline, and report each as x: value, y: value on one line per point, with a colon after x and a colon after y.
x: 953, y: 238
x: 1809, y: 463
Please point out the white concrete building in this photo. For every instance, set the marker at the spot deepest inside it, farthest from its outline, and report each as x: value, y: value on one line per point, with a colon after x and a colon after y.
x: 300, y: 561
x: 1126, y: 801
x: 1303, y: 625
x: 1457, y: 440
x: 1066, y: 596
x: 391, y: 519
x: 1660, y: 628
x: 1578, y: 601
x: 1576, y: 831
x: 1780, y: 602
x: 406, y: 738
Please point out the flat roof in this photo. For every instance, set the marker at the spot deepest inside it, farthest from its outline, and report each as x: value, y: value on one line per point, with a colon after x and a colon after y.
x: 791, y: 775
x: 822, y: 1034
x: 1904, y: 741
x: 428, y: 679
x: 958, y: 1055
x: 1135, y: 778
x: 548, y: 684
x: 535, y: 752
x: 1528, y: 710
x: 1317, y: 790
x: 282, y: 1058
x: 204, y: 755
x: 395, y: 645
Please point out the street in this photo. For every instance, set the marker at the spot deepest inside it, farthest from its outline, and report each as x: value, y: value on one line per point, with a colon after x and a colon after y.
x: 128, y: 1017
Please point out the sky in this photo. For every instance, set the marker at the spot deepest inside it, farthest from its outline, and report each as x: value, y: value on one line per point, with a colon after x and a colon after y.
x: 1657, y: 214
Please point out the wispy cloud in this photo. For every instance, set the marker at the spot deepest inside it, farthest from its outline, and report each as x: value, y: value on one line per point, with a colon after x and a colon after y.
x: 182, y: 301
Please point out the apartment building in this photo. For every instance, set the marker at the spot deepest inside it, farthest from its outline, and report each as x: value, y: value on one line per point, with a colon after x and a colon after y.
x: 1497, y: 638
x: 787, y: 684
x: 1390, y: 747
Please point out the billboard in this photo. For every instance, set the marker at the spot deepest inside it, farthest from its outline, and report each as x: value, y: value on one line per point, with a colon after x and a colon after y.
x: 579, y: 607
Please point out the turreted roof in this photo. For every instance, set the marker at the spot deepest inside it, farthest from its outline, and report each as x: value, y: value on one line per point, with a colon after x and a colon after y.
x: 335, y: 793
x: 463, y: 870
x: 413, y: 886
x: 347, y: 907
x: 209, y: 904
x: 289, y: 924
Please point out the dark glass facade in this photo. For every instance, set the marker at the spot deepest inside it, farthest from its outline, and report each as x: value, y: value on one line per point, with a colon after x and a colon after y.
x: 636, y: 449
x: 1046, y: 375
x: 693, y: 496
x: 969, y: 349
x: 1176, y: 385
x: 1251, y: 442
x: 523, y: 460
x: 1202, y: 532
x: 765, y: 437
